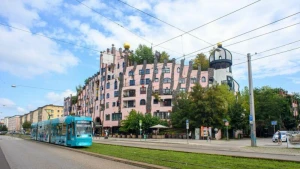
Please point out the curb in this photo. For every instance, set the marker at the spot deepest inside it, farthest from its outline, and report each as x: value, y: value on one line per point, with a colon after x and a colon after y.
x: 111, y: 158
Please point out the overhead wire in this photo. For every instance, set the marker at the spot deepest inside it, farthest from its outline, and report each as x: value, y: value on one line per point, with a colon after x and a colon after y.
x: 171, y: 25
x: 242, y: 40
x: 208, y: 23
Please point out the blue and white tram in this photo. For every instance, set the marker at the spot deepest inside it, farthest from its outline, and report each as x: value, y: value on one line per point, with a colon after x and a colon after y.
x: 72, y: 131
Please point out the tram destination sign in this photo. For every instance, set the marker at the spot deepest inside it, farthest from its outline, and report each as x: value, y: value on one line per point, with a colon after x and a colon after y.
x: 83, y: 122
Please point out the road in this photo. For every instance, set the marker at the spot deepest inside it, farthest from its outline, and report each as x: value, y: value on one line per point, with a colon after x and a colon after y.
x: 22, y: 154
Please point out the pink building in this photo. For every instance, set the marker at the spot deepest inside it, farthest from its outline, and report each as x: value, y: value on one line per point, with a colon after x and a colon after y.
x: 121, y: 86
x: 14, y: 123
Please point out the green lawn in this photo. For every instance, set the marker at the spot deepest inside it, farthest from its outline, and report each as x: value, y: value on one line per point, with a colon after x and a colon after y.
x: 187, y: 160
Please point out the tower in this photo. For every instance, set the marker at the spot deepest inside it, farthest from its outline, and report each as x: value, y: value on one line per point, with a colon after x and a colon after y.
x: 220, y: 72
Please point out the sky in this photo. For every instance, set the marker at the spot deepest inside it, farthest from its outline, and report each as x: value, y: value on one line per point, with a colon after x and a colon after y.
x: 45, y: 70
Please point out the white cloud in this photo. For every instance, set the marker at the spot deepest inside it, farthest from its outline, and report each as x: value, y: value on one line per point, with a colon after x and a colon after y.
x: 28, y: 55
x: 4, y: 102
x: 58, y: 98
x: 21, y: 110
x: 295, y: 80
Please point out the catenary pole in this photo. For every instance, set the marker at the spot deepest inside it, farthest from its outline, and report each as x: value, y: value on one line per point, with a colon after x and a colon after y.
x: 251, y: 101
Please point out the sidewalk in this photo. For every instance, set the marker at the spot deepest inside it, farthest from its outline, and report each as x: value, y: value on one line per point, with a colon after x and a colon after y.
x: 265, y: 147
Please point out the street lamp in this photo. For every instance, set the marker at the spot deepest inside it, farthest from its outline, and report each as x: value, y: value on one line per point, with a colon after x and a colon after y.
x: 14, y: 86
x: 48, y: 111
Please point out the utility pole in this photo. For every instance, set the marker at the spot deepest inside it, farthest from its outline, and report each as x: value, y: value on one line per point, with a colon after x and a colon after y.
x: 251, y: 101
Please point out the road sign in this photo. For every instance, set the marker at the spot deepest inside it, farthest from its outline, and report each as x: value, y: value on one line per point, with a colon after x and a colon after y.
x: 187, y: 126
x: 250, y: 118
x: 187, y: 121
x: 141, y: 122
x: 226, y: 123
x: 274, y: 123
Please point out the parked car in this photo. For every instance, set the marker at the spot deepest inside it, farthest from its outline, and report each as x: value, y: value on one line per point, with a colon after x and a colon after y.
x: 283, y: 136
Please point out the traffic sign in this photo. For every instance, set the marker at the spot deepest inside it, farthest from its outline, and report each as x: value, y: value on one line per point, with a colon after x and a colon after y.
x: 250, y: 118
x: 187, y: 121
x: 141, y: 122
x: 274, y: 123
x: 187, y: 126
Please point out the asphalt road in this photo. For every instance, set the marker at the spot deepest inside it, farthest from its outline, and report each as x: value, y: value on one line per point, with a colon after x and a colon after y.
x: 22, y: 154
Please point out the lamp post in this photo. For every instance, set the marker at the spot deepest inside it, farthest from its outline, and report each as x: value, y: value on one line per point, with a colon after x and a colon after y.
x: 48, y: 111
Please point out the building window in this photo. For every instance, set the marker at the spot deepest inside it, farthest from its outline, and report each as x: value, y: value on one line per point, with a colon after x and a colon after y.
x: 156, y: 80
x: 123, y: 64
x: 107, y: 95
x: 167, y: 80
x: 147, y: 80
x: 178, y: 70
x: 116, y: 85
x: 143, y: 102
x: 116, y: 93
x: 155, y: 70
x: 155, y: 101
x: 147, y: 71
x: 141, y: 72
x: 112, y: 76
x: 113, y: 104
x: 182, y: 80
x: 167, y: 102
x: 57, y: 110
x: 116, y: 116
x: 130, y: 73
x: 182, y: 89
x: 107, y: 117
x: 193, y: 80
x: 108, y: 77
x: 143, y: 90
x: 118, y: 103
x: 203, y: 79
x: 118, y: 66
x: 166, y: 70
x: 142, y: 81
x: 107, y: 85
x: 107, y: 105
x: 132, y: 82
x: 167, y: 91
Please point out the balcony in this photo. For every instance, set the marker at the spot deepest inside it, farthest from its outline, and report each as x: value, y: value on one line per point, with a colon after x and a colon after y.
x: 129, y: 104
x: 129, y: 93
x: 167, y: 91
x: 166, y: 103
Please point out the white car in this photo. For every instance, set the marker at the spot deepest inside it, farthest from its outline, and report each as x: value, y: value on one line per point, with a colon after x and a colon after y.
x: 283, y: 136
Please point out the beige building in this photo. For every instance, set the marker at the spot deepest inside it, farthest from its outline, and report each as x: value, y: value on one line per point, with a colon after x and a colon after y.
x: 53, y: 111
x: 14, y: 123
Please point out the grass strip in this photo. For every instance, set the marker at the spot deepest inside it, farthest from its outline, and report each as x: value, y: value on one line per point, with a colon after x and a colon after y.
x: 187, y: 160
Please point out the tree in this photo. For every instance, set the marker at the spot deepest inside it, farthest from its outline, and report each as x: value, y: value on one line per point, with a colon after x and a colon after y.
x: 3, y: 128
x: 164, y: 55
x: 142, y: 53
x: 131, y: 123
x: 26, y: 125
x: 78, y: 89
x: 202, y: 60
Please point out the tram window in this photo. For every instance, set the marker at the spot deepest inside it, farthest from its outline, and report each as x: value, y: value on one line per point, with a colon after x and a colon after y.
x: 64, y: 129
x: 83, y: 127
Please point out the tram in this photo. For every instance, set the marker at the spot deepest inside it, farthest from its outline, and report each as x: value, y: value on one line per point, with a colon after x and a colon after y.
x: 71, y: 131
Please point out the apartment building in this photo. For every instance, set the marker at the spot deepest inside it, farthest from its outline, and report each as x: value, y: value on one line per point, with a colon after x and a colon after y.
x: 121, y: 85
x: 14, y: 123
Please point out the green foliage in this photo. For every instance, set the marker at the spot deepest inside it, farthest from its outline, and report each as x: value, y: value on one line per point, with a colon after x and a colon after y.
x: 3, y: 128
x: 202, y: 106
x: 86, y: 81
x: 164, y: 55
x: 74, y: 99
x: 202, y: 60
x: 78, y: 89
x: 184, y: 160
x: 131, y: 123
x: 142, y: 53
x: 26, y: 125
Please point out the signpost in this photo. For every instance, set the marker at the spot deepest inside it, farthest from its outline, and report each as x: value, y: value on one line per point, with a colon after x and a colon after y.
x: 227, y: 124
x: 274, y: 123
x: 140, y: 122
x: 187, y: 130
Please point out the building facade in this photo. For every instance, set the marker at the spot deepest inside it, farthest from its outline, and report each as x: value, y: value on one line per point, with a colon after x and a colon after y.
x: 14, y: 123
x: 120, y: 85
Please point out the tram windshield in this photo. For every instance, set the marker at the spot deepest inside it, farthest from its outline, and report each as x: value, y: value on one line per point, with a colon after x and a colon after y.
x: 83, y: 127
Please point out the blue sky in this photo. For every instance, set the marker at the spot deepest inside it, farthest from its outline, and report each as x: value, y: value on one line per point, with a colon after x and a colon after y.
x: 37, y: 62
